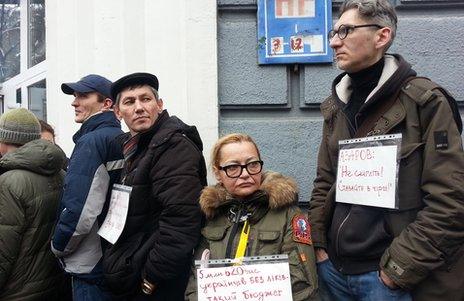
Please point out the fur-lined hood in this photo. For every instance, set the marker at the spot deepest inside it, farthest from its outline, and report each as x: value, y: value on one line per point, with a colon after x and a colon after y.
x: 281, y: 191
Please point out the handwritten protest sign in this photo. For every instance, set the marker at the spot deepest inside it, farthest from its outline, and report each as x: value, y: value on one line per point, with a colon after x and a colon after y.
x: 115, y: 219
x: 256, y: 282
x: 367, y: 175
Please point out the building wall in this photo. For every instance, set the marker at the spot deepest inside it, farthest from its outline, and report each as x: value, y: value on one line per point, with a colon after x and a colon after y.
x: 279, y: 105
x: 175, y: 40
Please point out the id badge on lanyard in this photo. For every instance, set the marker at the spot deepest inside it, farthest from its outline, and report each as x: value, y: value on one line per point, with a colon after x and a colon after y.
x: 116, y: 217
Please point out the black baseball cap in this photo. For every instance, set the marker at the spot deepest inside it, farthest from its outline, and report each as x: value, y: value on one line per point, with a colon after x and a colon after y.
x: 139, y: 78
x: 89, y: 83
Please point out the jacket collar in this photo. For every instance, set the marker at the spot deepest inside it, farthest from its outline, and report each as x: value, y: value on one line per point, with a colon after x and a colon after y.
x: 154, y: 131
x: 395, y: 71
x: 343, y: 82
x: 104, y: 119
x: 164, y: 127
x: 279, y: 191
x: 39, y: 156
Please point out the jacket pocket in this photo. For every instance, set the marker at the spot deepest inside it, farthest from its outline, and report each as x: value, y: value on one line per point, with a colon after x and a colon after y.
x: 303, y: 284
x: 123, y: 262
x: 409, y: 188
x: 268, y: 243
x: 410, y: 176
x: 215, y: 237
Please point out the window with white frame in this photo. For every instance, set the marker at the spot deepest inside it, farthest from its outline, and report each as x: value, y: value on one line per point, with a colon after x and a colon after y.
x: 22, y: 55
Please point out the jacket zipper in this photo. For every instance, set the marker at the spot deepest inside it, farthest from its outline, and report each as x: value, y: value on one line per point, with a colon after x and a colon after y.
x: 337, y: 242
x: 233, y: 233
x: 352, y: 128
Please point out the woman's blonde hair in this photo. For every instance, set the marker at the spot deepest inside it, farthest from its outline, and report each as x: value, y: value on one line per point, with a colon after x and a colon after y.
x: 228, y: 139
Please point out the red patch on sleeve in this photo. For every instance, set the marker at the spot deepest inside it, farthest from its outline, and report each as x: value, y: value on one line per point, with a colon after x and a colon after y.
x: 301, y: 229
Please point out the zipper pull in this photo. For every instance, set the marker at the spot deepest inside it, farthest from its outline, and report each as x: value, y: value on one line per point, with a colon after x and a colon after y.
x: 237, y: 216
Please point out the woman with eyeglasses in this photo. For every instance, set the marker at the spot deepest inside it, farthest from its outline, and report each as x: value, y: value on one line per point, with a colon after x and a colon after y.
x: 263, y: 205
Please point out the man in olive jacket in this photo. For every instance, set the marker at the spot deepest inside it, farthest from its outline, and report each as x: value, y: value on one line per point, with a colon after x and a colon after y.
x: 372, y: 253
x: 31, y: 182
x: 165, y: 169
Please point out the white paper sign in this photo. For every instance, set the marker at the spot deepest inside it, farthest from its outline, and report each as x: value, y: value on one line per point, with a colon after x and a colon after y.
x: 115, y: 219
x: 367, y: 176
x: 256, y: 282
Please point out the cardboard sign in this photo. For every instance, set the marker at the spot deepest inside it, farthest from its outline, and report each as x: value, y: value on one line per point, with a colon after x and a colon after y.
x: 115, y: 219
x: 368, y: 175
x: 255, y: 282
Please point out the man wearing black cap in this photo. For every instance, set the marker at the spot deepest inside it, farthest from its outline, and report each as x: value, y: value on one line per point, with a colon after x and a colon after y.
x: 165, y: 169
x: 94, y: 166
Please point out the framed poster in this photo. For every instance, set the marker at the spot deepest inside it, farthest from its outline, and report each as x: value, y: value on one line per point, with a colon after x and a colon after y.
x: 294, y: 31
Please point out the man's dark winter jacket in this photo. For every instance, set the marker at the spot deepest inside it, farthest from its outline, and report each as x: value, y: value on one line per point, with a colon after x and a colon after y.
x: 94, y: 166
x: 420, y: 245
x: 164, y: 219
x: 31, y: 183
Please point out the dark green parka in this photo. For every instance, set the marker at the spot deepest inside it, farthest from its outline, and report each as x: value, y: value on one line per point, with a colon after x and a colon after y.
x: 272, y: 210
x: 30, y: 188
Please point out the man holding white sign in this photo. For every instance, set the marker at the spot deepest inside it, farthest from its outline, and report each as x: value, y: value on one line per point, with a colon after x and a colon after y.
x: 387, y: 225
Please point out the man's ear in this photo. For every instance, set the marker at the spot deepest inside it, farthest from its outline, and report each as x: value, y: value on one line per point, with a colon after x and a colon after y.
x: 383, y: 37
x: 107, y: 103
x: 160, y: 104
x: 117, y: 112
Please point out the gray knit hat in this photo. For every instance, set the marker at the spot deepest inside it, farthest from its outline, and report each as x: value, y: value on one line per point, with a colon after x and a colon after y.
x: 19, y: 126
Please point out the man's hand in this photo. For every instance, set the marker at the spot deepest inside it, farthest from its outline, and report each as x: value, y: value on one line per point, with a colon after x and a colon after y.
x: 387, y: 281
x: 321, y: 255
x: 147, y: 287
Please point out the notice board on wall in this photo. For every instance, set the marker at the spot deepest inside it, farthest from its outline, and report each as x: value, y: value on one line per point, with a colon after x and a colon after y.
x: 294, y: 31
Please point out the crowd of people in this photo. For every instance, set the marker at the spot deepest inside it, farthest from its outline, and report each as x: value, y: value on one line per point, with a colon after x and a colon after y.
x: 53, y: 210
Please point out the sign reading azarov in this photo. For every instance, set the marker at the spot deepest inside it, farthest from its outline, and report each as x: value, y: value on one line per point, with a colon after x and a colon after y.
x: 367, y: 176
x: 257, y: 282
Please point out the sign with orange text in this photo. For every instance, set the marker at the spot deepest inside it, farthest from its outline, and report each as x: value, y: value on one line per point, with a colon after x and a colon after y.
x: 255, y: 282
x: 368, y: 171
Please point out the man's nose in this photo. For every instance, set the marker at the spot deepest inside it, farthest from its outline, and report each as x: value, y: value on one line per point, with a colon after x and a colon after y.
x: 138, y: 106
x: 335, y: 41
x: 74, y: 103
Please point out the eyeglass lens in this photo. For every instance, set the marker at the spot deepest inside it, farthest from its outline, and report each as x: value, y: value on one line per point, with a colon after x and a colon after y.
x: 342, y: 32
x: 235, y: 170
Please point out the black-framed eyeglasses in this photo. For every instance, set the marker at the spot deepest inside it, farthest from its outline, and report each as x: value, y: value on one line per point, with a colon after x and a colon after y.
x: 344, y: 30
x: 235, y: 170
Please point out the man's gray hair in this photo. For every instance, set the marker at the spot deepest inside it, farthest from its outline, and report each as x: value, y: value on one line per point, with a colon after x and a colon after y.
x: 380, y: 12
x: 118, y: 97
